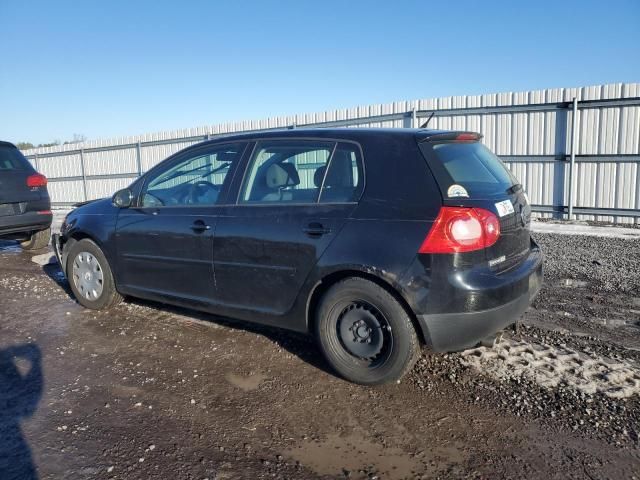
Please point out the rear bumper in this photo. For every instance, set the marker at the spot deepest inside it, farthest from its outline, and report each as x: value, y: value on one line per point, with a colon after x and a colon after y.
x: 27, y: 222
x: 446, y: 332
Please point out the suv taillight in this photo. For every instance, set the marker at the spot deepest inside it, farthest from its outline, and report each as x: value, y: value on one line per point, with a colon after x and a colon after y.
x: 459, y: 229
x: 36, y: 180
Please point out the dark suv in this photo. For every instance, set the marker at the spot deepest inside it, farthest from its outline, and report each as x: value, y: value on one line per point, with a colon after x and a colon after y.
x: 25, y: 208
x: 375, y: 241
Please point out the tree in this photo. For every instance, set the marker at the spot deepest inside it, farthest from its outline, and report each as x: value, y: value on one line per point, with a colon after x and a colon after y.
x: 77, y: 138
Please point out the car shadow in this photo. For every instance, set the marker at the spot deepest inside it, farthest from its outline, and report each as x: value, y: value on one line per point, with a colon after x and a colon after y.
x: 53, y: 271
x: 300, y: 345
x: 21, y: 384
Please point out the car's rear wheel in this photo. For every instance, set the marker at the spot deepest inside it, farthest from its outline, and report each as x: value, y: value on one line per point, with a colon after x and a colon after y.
x: 365, y: 334
x: 90, y: 276
x: 37, y: 240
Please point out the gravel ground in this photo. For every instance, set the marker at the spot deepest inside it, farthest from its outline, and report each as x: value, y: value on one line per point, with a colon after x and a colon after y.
x: 150, y: 391
x: 608, y: 264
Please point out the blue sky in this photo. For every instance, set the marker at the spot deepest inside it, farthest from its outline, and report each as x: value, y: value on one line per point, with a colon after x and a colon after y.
x: 110, y: 68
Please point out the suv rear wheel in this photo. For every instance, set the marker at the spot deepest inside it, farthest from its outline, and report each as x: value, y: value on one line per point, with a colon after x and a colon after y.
x: 365, y: 333
x: 90, y: 276
x: 37, y: 240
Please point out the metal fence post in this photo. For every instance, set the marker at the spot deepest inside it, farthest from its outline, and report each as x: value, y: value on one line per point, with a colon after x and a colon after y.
x: 84, y: 175
x: 572, y: 166
x: 36, y: 164
x: 409, y: 118
x: 139, y: 158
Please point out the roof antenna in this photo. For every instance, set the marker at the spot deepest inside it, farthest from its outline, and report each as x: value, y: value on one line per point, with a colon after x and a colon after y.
x: 424, y: 125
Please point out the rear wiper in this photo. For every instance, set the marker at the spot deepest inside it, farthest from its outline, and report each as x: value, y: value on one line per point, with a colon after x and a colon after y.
x: 514, y: 188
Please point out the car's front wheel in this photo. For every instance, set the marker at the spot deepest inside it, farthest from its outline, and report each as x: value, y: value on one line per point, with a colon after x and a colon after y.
x: 365, y: 334
x: 37, y: 240
x: 90, y: 276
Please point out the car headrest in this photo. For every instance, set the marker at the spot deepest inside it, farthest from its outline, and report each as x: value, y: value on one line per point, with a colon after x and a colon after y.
x: 319, y: 175
x: 281, y: 175
x: 338, y: 175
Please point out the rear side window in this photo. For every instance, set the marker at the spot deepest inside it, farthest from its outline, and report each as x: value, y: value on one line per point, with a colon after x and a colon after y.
x: 471, y: 165
x: 283, y: 171
x: 12, y: 159
x: 303, y: 171
x: 344, y: 180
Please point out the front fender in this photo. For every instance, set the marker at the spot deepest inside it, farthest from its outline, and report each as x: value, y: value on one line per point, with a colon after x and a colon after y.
x: 95, y: 221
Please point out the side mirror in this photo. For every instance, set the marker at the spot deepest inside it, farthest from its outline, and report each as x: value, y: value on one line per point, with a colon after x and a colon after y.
x: 122, y: 198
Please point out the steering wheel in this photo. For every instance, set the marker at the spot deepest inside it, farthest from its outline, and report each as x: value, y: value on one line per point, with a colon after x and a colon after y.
x: 199, y: 188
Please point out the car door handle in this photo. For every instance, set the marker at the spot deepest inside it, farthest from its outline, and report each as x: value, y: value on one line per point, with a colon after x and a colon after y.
x: 199, y: 226
x: 316, y: 229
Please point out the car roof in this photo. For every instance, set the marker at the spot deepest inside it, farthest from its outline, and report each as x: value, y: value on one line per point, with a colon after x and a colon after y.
x: 7, y: 144
x: 354, y: 134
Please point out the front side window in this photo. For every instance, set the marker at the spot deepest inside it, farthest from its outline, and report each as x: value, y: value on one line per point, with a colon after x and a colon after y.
x: 283, y: 171
x: 197, y: 180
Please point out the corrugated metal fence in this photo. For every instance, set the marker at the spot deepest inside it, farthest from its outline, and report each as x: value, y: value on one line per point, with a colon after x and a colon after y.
x: 533, y: 132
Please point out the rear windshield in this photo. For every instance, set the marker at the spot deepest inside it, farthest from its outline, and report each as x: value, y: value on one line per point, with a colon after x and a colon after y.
x: 472, y: 166
x: 12, y: 159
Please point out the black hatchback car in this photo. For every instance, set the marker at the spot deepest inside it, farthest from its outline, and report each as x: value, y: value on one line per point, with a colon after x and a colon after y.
x: 25, y: 208
x: 375, y: 241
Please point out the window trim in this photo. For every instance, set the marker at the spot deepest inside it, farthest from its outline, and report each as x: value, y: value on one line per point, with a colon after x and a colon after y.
x: 185, y: 154
x: 336, y: 141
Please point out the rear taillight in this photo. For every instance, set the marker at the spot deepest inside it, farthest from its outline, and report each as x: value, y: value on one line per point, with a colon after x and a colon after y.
x: 459, y: 229
x: 36, y: 180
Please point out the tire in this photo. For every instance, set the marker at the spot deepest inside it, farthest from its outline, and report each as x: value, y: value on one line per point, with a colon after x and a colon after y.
x: 365, y: 334
x: 90, y: 276
x: 37, y: 241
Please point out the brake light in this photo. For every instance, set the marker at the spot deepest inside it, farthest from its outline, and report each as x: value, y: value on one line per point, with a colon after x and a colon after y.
x: 36, y: 180
x: 461, y: 229
x: 467, y: 137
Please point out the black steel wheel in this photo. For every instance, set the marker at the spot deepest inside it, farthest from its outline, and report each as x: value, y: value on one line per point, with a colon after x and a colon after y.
x: 364, y: 332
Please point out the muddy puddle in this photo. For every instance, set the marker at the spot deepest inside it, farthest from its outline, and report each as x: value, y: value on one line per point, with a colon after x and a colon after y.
x: 246, y: 382
x: 355, y: 456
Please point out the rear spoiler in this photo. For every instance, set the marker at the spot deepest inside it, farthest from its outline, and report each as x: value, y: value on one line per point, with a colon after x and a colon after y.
x: 450, y: 137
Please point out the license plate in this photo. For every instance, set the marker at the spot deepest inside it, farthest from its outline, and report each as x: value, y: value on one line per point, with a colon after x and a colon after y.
x: 504, y: 208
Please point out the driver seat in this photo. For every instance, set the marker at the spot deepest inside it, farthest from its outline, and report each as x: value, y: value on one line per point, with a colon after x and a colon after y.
x: 279, y: 177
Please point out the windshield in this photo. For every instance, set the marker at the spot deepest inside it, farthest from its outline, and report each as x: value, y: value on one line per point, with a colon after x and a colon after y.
x: 472, y: 166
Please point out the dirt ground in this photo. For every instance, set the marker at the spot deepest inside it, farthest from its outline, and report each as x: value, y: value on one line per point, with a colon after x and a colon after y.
x: 149, y: 391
